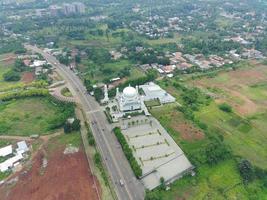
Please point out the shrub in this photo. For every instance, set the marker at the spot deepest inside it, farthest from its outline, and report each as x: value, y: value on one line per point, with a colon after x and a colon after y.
x: 215, y: 152
x: 226, y: 108
x: 246, y: 171
x: 11, y: 75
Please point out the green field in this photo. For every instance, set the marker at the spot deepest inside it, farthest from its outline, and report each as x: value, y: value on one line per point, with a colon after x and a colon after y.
x: 247, y: 138
x: 29, y: 116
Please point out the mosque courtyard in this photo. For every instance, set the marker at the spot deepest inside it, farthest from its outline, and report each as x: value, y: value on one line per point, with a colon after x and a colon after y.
x: 155, y: 151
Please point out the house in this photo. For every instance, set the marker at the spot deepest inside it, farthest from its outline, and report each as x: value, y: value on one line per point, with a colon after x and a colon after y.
x: 169, y: 68
x: 38, y: 63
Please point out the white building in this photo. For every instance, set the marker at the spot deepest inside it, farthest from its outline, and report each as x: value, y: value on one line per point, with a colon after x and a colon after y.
x: 9, y: 163
x: 153, y: 91
x: 129, y: 99
x: 5, y: 151
x: 22, y: 147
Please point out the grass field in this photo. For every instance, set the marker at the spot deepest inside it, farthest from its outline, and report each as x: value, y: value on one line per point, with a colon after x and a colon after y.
x: 247, y: 138
x: 29, y: 116
x: 175, y: 39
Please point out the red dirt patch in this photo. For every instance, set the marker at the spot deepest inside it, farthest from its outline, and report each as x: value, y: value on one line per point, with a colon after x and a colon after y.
x: 66, y: 177
x: 27, y: 77
x: 187, y: 130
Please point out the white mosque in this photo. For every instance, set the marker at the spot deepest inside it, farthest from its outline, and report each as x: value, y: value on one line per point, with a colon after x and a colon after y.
x: 129, y: 99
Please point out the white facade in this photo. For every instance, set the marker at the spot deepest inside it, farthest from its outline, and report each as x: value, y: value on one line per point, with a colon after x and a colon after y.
x: 129, y: 99
x: 9, y: 163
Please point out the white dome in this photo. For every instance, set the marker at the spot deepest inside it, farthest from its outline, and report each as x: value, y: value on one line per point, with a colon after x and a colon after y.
x: 129, y: 92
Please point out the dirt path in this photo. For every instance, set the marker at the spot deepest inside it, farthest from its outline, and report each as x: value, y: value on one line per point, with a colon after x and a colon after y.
x: 45, y: 138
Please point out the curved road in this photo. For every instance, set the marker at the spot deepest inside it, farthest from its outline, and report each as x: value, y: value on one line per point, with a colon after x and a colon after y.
x: 113, y: 157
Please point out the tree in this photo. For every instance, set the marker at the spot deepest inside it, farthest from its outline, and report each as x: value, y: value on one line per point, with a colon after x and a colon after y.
x: 76, y: 125
x: 162, y: 183
x: 78, y: 59
x: 11, y: 75
x: 99, y: 94
x: 246, y: 171
x: 67, y: 127
x: 19, y: 66
x: 226, y: 108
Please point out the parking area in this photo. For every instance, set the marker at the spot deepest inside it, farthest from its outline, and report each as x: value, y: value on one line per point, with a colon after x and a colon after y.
x: 155, y: 151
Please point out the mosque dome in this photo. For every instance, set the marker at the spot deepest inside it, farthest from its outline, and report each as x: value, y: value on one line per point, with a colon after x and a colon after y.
x: 129, y: 92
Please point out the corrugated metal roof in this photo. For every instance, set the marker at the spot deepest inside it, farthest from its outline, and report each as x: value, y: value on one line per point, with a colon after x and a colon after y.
x: 5, y: 151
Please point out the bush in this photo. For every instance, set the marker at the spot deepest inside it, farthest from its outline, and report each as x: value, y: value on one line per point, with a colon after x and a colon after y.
x: 23, y: 93
x: 246, y: 171
x: 70, y: 127
x: 11, y: 75
x: 215, y: 152
x: 226, y: 108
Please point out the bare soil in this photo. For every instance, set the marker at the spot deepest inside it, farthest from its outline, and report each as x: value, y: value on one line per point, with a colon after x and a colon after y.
x: 27, y: 77
x: 237, y: 80
x: 66, y: 177
x: 187, y: 130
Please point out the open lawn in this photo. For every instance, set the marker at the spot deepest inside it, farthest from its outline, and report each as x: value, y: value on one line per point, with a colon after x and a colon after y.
x: 246, y: 137
x: 29, y: 116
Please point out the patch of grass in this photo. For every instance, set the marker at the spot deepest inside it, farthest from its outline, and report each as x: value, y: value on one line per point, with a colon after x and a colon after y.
x: 31, y: 116
x: 4, y: 143
x: 247, y: 138
x: 73, y: 138
x: 4, y: 175
x: 66, y: 92
x: 152, y: 103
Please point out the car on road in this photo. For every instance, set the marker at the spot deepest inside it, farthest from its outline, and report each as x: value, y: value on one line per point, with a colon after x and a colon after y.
x: 121, y: 182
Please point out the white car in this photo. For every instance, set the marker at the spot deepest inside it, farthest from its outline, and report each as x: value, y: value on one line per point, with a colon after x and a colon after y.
x: 121, y: 182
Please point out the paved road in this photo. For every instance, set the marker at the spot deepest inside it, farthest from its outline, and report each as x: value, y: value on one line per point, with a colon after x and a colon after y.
x: 113, y: 157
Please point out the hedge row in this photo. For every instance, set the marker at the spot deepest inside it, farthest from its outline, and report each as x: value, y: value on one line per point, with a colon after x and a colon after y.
x: 128, y: 152
x: 23, y: 93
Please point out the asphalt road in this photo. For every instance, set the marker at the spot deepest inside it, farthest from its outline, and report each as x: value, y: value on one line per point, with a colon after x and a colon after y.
x: 109, y: 148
